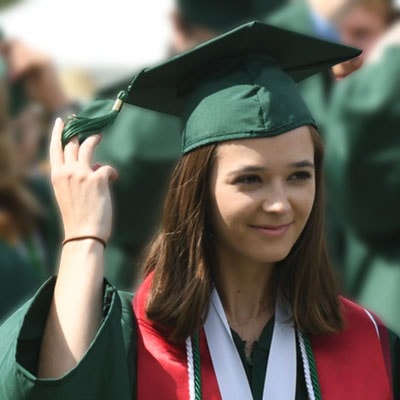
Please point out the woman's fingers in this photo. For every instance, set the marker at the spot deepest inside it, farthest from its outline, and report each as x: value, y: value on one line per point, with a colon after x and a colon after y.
x: 56, y: 150
x: 87, y: 148
x: 71, y: 150
x: 107, y: 172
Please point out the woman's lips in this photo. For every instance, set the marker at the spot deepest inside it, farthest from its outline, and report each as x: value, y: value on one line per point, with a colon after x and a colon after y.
x: 272, y: 230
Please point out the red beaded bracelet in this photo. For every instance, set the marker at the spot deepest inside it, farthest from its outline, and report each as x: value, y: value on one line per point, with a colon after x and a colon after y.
x: 102, y: 241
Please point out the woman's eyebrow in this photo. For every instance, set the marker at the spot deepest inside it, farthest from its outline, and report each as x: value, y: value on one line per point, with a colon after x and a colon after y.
x: 302, y: 164
x: 248, y: 168
x: 258, y: 168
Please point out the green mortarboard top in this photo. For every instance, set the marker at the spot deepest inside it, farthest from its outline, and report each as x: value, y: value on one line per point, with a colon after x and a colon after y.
x: 238, y: 85
x: 221, y: 15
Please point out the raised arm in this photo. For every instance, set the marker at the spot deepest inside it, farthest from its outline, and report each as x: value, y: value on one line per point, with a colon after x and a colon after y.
x: 82, y: 193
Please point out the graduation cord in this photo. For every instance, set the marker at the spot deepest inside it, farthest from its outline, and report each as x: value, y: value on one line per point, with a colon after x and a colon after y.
x: 87, y: 126
x: 190, y: 366
x: 194, y: 371
x: 310, y: 369
x: 197, y: 368
x: 92, y: 120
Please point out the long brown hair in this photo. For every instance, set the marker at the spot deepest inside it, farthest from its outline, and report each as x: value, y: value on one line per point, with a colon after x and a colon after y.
x: 182, y: 257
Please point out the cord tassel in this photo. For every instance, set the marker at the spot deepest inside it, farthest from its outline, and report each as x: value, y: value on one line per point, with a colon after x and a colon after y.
x: 98, y: 119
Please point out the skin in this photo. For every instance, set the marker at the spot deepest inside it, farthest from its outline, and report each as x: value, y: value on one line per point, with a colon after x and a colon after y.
x: 262, y: 193
x: 76, y: 309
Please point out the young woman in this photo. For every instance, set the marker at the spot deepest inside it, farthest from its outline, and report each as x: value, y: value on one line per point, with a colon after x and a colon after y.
x: 238, y: 301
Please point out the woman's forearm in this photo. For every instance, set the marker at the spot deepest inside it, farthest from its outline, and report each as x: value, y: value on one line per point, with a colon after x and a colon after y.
x: 76, y: 311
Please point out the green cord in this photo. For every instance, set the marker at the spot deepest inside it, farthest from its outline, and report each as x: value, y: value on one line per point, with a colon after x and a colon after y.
x: 309, y: 352
x: 313, y: 367
x: 197, y: 366
x: 89, y: 122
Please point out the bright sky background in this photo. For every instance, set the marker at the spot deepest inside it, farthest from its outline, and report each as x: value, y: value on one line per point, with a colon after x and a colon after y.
x: 114, y: 34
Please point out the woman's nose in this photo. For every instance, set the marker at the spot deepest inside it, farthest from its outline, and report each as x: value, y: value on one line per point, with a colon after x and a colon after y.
x: 276, y: 201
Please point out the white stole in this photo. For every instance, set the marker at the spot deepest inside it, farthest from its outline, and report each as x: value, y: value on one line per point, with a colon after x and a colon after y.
x: 280, y: 380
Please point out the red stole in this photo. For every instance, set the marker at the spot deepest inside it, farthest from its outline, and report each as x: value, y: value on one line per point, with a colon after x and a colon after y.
x: 350, y: 365
x: 162, y: 366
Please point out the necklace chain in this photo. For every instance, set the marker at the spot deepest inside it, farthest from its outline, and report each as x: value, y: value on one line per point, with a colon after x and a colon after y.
x: 260, y: 314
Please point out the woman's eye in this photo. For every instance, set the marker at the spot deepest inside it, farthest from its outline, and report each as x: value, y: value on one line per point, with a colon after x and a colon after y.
x: 300, y: 176
x: 248, y: 179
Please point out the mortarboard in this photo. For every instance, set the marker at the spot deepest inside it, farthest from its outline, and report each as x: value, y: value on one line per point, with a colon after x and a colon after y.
x: 238, y: 85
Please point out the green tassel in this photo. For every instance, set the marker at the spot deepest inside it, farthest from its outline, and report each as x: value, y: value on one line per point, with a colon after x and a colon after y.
x: 93, y: 119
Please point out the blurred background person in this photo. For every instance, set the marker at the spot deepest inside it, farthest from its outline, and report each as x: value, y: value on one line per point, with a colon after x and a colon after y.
x: 358, y: 23
x: 22, y: 252
x: 29, y: 230
x: 363, y: 176
x: 144, y: 145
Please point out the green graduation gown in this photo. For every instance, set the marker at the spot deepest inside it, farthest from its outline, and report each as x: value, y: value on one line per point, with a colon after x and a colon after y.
x: 18, y: 279
x: 25, y: 266
x: 107, y: 371
x: 363, y: 176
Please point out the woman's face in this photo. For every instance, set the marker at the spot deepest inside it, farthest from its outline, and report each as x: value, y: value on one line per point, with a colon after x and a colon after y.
x: 262, y: 193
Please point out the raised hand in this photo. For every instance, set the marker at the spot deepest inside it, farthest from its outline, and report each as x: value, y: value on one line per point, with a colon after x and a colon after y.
x: 81, y: 189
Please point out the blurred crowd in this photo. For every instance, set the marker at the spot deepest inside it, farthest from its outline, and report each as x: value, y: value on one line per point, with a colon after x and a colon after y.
x: 356, y: 106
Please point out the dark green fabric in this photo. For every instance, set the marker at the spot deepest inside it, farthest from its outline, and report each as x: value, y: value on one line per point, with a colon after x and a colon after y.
x: 238, y: 85
x: 363, y: 175
x: 256, y: 366
x: 48, y: 224
x: 251, y: 100
x: 179, y: 86
x: 18, y: 279
x: 105, y: 372
x: 316, y: 89
x: 295, y: 16
x: 108, y: 369
x: 164, y: 87
x: 26, y: 264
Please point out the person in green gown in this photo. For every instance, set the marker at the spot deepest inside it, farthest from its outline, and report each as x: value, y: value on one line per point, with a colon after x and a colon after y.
x: 23, y: 261
x: 25, y: 249
x: 362, y: 170
x: 151, y: 140
x: 239, y: 299
x: 358, y: 23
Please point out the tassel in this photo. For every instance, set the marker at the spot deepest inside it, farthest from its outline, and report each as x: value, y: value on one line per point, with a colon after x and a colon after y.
x: 93, y: 119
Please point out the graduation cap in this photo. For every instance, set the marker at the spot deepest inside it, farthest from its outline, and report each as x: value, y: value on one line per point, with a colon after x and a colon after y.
x: 238, y: 85
x: 221, y: 15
